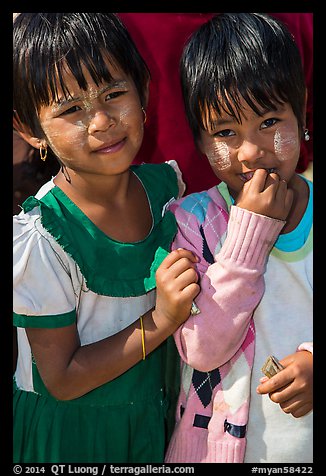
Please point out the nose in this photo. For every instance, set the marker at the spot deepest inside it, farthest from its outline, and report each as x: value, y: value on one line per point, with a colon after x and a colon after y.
x: 100, y: 122
x: 249, y: 152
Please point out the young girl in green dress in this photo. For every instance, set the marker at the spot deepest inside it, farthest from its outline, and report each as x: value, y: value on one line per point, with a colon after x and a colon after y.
x: 92, y: 329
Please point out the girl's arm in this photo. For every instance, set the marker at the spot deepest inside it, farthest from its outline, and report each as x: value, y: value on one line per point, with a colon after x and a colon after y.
x: 70, y: 370
x: 231, y: 275
x: 231, y: 287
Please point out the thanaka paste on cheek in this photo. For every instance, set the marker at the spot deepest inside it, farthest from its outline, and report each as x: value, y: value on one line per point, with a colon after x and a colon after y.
x: 285, y: 144
x: 123, y: 115
x: 77, y: 139
x: 131, y: 111
x: 218, y: 155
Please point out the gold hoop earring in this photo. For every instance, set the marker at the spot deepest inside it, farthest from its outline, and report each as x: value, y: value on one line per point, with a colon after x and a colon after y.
x: 44, y: 154
x: 145, y: 115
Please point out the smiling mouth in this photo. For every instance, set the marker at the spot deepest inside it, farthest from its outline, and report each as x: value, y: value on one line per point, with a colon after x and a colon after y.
x: 245, y: 177
x: 112, y: 147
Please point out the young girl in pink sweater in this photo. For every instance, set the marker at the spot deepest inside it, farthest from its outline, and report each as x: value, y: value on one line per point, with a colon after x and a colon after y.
x: 245, y: 96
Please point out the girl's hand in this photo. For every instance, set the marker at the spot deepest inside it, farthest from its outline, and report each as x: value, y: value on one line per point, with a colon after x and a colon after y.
x: 70, y: 369
x: 292, y: 387
x: 176, y: 281
x: 267, y: 195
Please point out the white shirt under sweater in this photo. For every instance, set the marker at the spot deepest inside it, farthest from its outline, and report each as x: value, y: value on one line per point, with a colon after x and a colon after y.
x: 283, y: 321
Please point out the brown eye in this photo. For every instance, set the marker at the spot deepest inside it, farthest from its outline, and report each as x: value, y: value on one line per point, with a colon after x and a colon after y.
x: 269, y: 123
x: 71, y: 110
x: 224, y: 133
x: 114, y: 95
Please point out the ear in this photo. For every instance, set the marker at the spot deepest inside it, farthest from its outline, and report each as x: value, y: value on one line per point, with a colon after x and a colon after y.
x: 146, y: 95
x: 26, y: 133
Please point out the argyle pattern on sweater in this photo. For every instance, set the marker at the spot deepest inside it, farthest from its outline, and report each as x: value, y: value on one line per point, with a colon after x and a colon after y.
x: 228, y: 385
x: 213, y: 405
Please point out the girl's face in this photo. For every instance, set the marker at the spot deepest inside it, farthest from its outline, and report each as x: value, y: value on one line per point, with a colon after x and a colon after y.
x: 97, y: 131
x: 235, y: 151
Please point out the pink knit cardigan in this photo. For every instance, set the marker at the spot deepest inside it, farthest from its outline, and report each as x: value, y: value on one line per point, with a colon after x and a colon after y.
x: 217, y: 345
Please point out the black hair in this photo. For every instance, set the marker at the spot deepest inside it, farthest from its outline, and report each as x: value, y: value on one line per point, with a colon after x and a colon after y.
x: 240, y: 55
x: 47, y: 43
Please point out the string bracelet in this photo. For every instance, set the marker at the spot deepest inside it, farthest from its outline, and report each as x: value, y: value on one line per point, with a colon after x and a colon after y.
x: 142, y: 337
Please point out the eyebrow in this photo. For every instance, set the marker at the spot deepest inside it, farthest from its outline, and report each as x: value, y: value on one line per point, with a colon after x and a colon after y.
x: 221, y: 123
x: 62, y: 102
x: 228, y: 119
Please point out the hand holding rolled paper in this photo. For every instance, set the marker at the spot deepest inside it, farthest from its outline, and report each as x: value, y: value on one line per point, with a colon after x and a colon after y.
x: 272, y: 366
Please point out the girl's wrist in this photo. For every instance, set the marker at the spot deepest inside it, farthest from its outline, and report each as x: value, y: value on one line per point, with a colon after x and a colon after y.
x: 163, y: 322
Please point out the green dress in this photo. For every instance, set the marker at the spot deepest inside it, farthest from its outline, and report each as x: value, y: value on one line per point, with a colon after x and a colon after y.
x: 67, y: 270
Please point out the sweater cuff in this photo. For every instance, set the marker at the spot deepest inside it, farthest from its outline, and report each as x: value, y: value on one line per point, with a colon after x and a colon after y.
x: 250, y: 236
x: 309, y: 346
